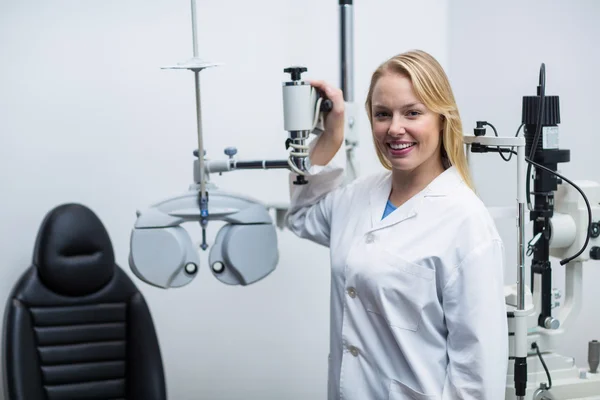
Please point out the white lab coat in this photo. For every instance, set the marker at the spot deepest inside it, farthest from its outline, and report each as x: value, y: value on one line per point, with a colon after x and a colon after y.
x: 417, y: 301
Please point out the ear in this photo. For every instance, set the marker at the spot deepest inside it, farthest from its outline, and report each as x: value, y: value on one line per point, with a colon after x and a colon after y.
x: 442, y: 144
x: 442, y: 123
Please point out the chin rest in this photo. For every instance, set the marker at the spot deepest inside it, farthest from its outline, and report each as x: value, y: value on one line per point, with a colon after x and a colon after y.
x: 76, y: 326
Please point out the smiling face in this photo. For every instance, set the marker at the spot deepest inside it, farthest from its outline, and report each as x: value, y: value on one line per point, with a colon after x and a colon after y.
x: 407, y: 134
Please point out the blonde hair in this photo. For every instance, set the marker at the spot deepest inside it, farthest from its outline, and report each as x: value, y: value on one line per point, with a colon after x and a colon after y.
x: 433, y: 89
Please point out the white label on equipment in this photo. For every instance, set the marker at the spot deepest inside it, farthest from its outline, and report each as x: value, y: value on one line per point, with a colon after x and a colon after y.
x: 550, y: 137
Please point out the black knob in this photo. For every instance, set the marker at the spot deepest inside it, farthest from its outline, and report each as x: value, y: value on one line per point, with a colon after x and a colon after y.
x: 296, y: 72
x: 595, y: 253
x: 480, y: 129
x: 595, y: 230
x: 326, y: 105
x: 230, y: 151
x: 300, y: 180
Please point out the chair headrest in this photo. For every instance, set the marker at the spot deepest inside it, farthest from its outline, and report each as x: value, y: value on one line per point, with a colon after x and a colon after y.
x: 73, y: 252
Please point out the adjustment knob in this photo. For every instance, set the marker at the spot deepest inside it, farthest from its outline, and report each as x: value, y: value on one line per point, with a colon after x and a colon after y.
x: 296, y: 72
x: 595, y: 230
x: 191, y: 268
x: 595, y: 253
x: 594, y: 355
x: 230, y: 151
x: 196, y: 152
x: 218, y: 267
x: 326, y: 105
x: 551, y: 323
x: 557, y: 294
x: 480, y: 129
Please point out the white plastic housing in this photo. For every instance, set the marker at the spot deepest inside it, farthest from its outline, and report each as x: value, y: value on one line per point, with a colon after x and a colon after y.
x: 299, y: 102
x: 569, y: 201
x: 563, y: 230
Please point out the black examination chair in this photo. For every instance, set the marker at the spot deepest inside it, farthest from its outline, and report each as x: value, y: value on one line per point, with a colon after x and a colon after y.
x: 76, y: 327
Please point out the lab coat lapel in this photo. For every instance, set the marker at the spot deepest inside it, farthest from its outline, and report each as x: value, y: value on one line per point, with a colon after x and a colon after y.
x: 440, y: 186
x: 377, y: 202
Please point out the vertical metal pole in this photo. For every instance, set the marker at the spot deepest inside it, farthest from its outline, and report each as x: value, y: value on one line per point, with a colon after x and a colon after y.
x: 347, y: 85
x: 521, y: 202
x: 347, y: 49
x: 198, y: 101
x: 199, y: 123
x: 194, y: 29
x: 203, y: 195
x: 469, y: 157
x: 520, y: 356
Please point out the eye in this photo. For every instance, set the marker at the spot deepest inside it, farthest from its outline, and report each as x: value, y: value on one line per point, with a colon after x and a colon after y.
x: 381, y: 114
x: 414, y: 113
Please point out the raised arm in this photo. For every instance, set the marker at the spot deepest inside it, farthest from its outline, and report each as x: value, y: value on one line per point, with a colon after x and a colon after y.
x: 311, y: 204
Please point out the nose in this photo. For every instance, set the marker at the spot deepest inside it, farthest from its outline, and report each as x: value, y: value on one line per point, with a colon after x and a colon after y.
x: 396, y: 127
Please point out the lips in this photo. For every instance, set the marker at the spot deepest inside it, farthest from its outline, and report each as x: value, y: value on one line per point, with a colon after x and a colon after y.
x: 400, y: 149
x: 401, y: 146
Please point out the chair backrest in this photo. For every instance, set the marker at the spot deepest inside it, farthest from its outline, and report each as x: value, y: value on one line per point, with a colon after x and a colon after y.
x: 76, y: 326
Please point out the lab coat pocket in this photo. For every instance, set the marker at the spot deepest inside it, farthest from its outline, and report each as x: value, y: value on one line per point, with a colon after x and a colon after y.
x: 399, y: 391
x: 398, y: 290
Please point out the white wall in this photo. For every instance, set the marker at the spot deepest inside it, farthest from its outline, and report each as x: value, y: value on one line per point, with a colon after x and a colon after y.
x: 87, y: 115
x: 495, y: 52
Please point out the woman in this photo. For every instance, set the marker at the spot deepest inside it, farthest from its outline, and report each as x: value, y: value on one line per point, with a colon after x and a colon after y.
x: 417, y: 302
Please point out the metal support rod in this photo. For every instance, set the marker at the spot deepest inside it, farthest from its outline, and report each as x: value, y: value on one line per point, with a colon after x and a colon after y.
x: 347, y: 49
x: 199, y: 124
x: 521, y: 202
x: 261, y: 164
x: 198, y: 100
x: 203, y: 200
x: 347, y: 84
x: 220, y: 166
x: 521, y: 318
x: 194, y: 30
